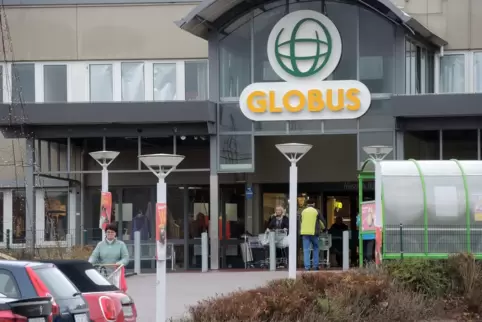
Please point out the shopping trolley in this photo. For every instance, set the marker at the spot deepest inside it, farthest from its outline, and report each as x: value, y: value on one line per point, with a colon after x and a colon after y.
x: 252, y: 251
x: 279, y: 240
x: 113, y: 273
x: 325, y: 242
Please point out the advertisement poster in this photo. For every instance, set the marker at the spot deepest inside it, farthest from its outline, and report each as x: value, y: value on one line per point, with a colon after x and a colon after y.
x: 368, y: 216
x: 105, y: 209
x: 378, y: 245
x: 161, y: 221
x: 478, y: 208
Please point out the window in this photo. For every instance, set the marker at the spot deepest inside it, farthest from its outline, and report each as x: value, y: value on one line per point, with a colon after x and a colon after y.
x: 133, y: 88
x: 18, y: 216
x: 23, y: 83
x: 478, y: 71
x: 459, y: 144
x: 1, y: 84
x: 8, y: 285
x: 452, y: 73
x: 56, y: 215
x: 96, y: 277
x: 421, y: 145
x: 55, y: 83
x: 165, y: 88
x: 196, y: 80
x: 236, y: 152
x: 56, y: 282
x: 101, y: 83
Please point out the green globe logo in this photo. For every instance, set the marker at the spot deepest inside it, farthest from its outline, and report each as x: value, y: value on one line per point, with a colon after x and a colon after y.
x: 319, y: 59
x: 304, y: 45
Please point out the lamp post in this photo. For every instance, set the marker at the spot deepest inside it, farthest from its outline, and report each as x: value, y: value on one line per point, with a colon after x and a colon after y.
x: 104, y: 159
x: 293, y: 152
x: 161, y: 165
x: 377, y: 153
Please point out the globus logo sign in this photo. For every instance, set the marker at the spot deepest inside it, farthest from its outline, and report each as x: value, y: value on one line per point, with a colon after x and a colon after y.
x: 304, y: 48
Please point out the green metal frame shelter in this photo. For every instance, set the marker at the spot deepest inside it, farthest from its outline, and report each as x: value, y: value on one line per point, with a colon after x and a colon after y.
x: 430, y: 209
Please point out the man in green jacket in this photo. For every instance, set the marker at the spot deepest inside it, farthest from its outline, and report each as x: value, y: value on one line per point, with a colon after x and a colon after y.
x: 110, y: 251
x: 312, y: 224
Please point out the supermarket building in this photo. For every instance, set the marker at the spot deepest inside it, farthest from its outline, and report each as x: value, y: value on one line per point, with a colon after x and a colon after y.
x: 162, y: 87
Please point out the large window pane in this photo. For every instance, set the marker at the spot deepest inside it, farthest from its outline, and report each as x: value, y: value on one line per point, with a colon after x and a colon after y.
x: 55, y: 83
x: 478, y: 72
x: 452, y: 73
x: 1, y: 84
x: 18, y: 216
x: 235, y: 58
x: 165, y: 88
x: 379, y: 116
x: 377, y: 39
x: 235, y: 153
x: 232, y: 119
x: 133, y: 82
x: 459, y: 144
x: 56, y: 215
x: 138, y: 212
x: 421, y: 145
x: 101, y: 83
x: 196, y: 80
x: 23, y: 83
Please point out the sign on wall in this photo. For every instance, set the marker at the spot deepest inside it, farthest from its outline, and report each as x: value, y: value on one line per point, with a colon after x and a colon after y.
x: 304, y: 48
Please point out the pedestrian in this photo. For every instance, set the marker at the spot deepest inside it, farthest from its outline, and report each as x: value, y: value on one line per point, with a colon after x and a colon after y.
x: 312, y: 224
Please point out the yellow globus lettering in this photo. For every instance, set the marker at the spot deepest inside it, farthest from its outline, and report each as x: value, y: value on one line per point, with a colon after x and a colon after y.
x: 301, y: 101
x: 341, y: 100
x: 257, y: 102
x: 352, y: 96
x: 315, y: 100
x: 272, y: 103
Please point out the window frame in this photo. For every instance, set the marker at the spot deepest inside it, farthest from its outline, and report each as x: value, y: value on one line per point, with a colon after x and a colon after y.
x: 180, y: 81
x: 184, y: 74
x: 9, y: 273
x: 40, y: 79
x: 468, y: 70
x: 9, y: 86
x: 116, y: 80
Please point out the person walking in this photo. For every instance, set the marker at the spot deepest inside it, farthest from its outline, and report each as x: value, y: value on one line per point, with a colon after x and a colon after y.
x: 312, y: 224
x: 110, y: 251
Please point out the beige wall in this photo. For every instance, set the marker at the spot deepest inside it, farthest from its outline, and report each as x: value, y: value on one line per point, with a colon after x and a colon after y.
x: 101, y: 32
x: 457, y: 21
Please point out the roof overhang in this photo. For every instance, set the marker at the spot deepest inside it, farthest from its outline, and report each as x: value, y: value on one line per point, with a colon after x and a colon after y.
x: 212, y: 15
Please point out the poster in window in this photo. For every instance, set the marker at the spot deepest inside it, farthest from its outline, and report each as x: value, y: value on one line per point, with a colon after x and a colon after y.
x: 368, y: 216
x: 478, y: 207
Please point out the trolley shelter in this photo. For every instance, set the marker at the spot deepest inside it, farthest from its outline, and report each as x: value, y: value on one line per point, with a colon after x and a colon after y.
x: 430, y: 209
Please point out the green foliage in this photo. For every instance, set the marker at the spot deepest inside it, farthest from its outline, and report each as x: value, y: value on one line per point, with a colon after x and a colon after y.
x: 429, y: 277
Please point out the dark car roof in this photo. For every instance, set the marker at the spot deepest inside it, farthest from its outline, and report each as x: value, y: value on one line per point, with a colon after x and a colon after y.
x: 75, y: 270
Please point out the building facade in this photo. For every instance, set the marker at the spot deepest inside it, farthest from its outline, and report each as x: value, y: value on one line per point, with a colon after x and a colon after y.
x: 166, y: 77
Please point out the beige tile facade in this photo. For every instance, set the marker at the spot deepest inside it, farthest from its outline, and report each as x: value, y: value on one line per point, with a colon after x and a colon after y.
x: 457, y: 21
x: 57, y: 33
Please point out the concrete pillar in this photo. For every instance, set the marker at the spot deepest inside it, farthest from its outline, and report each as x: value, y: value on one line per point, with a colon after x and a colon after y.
x: 29, y: 167
x: 214, y: 205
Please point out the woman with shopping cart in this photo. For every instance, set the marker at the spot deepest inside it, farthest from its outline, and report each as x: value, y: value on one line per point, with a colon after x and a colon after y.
x: 110, y: 255
x: 280, y: 223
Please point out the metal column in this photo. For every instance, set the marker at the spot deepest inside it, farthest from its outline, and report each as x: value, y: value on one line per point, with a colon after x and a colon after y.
x: 30, y: 193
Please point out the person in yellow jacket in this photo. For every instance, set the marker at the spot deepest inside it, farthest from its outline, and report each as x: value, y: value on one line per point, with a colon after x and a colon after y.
x: 312, y: 224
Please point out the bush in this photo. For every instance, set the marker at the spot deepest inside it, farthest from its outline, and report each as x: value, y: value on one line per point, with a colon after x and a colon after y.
x: 429, y: 277
x: 334, y: 297
x: 54, y: 252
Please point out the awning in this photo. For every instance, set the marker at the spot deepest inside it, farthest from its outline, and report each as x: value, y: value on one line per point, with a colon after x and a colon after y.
x: 215, y: 14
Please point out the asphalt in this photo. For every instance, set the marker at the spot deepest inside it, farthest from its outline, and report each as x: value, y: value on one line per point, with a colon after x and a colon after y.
x: 186, y: 289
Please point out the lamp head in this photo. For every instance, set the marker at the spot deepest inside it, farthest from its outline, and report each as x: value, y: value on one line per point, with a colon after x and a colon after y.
x: 294, y: 151
x: 104, y: 158
x: 161, y: 164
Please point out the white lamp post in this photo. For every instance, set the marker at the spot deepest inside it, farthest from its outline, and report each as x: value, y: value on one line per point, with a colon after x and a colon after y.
x: 104, y: 159
x: 293, y: 152
x: 378, y: 153
x: 161, y: 165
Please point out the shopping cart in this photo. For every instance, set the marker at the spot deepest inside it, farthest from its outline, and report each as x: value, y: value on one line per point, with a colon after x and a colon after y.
x: 280, y: 236
x: 325, y: 243
x: 113, y: 273
x: 252, y: 251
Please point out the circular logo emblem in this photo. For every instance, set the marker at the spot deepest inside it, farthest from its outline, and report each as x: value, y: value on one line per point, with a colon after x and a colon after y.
x: 304, y: 46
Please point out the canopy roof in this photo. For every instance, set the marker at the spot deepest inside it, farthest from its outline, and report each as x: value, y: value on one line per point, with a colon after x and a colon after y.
x: 215, y: 14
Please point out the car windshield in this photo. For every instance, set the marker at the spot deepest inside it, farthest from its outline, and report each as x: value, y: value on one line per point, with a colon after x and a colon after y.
x: 56, y: 282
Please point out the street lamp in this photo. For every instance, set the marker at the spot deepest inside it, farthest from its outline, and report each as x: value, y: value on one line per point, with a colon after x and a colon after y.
x: 161, y: 165
x: 104, y: 159
x: 293, y: 152
x: 377, y: 153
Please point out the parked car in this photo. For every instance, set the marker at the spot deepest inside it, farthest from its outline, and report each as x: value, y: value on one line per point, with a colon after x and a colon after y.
x: 25, y: 280
x: 36, y: 309
x: 105, y: 300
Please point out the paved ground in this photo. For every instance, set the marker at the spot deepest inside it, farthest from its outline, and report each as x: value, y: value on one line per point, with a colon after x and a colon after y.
x: 185, y: 289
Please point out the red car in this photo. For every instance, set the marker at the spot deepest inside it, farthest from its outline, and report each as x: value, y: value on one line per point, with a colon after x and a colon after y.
x: 106, y: 302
